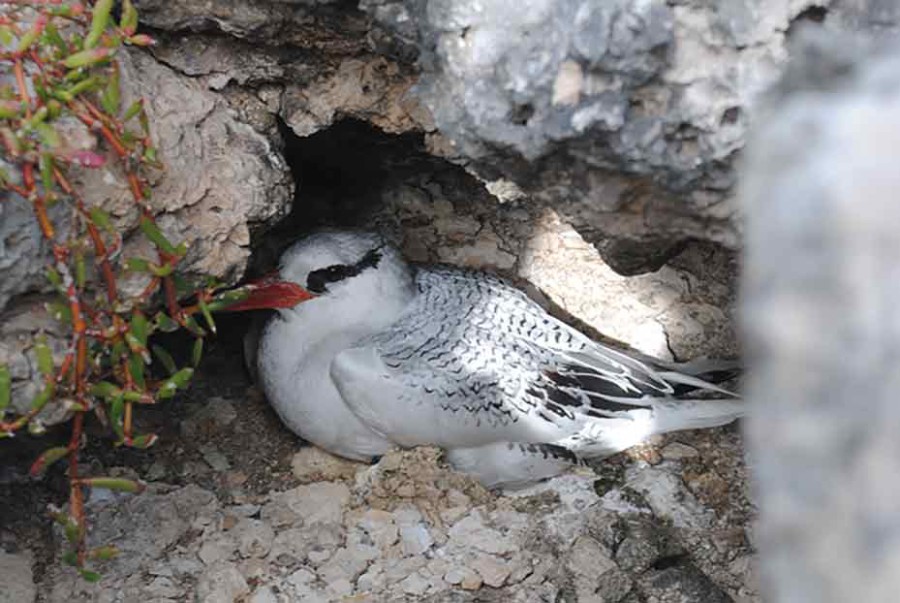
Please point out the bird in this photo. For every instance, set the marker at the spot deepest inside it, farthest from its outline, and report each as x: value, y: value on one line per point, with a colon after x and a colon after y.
x: 367, y: 352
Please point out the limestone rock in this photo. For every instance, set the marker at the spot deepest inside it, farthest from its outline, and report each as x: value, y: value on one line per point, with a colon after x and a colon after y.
x: 17, y: 582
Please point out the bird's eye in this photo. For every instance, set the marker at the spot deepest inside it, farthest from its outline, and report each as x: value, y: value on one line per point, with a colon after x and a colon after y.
x: 315, y: 282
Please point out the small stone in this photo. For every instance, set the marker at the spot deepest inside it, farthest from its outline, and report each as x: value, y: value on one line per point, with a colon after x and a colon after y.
x: 162, y: 587
x: 493, y: 572
x: 312, y: 504
x: 229, y: 521
x: 472, y: 581
x: 220, y: 549
x: 263, y: 595
x: 380, y: 527
x: 156, y: 471
x: 340, y: 588
x: 415, y: 539
x: 215, y: 459
x: 471, y: 532
x: 676, y: 451
x: 17, y: 582
x: 415, y: 585
x: 455, y: 575
x: 254, y: 537
x: 313, y: 464
x: 221, y: 583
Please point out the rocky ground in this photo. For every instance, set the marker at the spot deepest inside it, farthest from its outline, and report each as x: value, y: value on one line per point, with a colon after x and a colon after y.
x: 240, y: 509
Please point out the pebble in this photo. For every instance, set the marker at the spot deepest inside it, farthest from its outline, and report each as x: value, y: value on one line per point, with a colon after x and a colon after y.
x: 221, y: 583
x: 493, y: 571
x: 415, y: 584
x: 17, y: 582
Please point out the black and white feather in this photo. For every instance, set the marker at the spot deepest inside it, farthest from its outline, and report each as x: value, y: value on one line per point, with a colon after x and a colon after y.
x: 462, y: 360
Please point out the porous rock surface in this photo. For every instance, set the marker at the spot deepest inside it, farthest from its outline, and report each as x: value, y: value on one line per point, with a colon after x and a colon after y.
x: 408, y: 529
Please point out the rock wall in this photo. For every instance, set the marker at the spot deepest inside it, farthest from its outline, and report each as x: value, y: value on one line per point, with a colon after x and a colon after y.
x: 823, y: 327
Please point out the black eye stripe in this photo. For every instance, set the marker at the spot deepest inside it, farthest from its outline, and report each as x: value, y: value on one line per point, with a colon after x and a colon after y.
x: 317, y: 281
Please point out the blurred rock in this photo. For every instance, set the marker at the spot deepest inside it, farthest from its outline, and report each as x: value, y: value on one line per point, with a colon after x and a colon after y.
x: 17, y: 584
x: 405, y: 527
x: 823, y: 324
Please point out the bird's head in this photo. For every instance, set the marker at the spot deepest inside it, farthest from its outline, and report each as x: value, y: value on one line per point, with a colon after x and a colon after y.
x: 328, y: 265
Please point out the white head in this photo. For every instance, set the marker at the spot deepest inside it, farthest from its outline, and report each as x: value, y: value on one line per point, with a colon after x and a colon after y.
x: 333, y: 268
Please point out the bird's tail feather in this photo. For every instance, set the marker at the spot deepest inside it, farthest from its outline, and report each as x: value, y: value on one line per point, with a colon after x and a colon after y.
x: 676, y: 415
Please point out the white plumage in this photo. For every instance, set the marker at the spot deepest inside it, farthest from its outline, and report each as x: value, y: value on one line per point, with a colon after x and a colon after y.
x: 390, y: 354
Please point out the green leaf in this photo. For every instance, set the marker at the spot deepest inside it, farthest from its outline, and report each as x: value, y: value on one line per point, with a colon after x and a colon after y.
x: 144, y: 441
x: 138, y: 264
x: 71, y: 529
x: 54, y: 277
x: 80, y: 270
x: 99, y: 22
x: 133, y: 109
x: 70, y: 557
x: 190, y: 323
x: 129, y: 21
x: 152, y: 232
x: 43, y: 397
x: 59, y: 311
x: 48, y: 135
x: 44, y: 356
x: 183, y: 377
x: 32, y: 34
x: 110, y: 99
x: 6, y: 36
x: 52, y: 37
x: 116, y: 410
x: 162, y: 271
x: 117, y: 484
x: 5, y: 388
x: 103, y: 553
x: 89, y: 575
x: 197, y: 352
x: 85, y: 85
x: 136, y: 367
x: 46, y: 165
x: 204, y: 309
x: 140, y: 326
x: 47, y: 458
x: 87, y: 58
x: 165, y: 323
x: 226, y: 298
x: 165, y: 359
x: 101, y: 218
x: 105, y: 389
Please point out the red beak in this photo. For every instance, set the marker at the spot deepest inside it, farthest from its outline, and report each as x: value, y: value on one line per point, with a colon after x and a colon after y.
x: 270, y: 292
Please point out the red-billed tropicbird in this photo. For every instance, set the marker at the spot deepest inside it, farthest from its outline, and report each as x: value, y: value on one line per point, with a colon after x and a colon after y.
x: 368, y: 352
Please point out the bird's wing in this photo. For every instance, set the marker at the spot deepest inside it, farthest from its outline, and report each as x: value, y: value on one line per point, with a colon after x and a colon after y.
x: 474, y: 361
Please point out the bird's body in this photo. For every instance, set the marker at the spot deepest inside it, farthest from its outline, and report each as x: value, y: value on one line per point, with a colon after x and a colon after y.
x: 389, y: 354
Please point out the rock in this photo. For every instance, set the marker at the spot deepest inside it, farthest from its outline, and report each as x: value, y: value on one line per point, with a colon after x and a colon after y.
x: 263, y: 595
x: 219, y: 549
x: 492, y: 571
x: 254, y: 538
x: 312, y: 464
x: 677, y: 451
x: 415, y: 585
x: 669, y: 498
x: 821, y: 190
x: 215, y: 459
x: 216, y: 166
x: 472, y: 532
x: 222, y: 582
x: 414, y: 536
x: 380, y: 527
x: 471, y: 581
x: 320, y: 503
x: 18, y: 582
